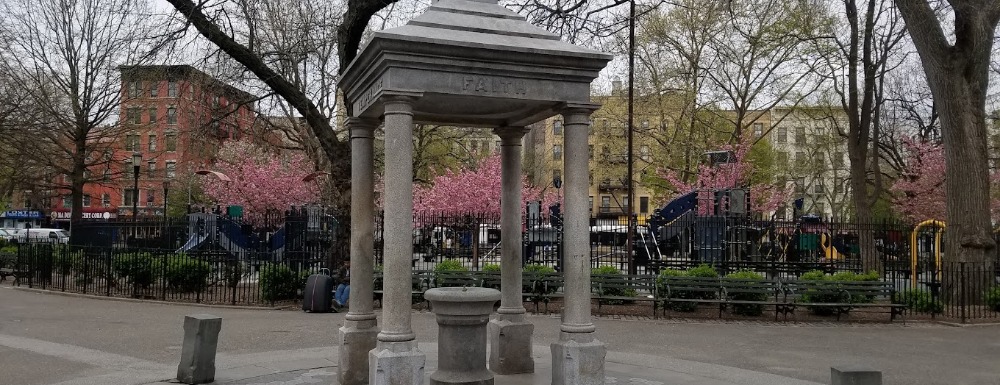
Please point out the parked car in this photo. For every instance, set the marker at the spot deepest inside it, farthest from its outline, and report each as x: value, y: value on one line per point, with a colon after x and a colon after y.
x: 7, y: 234
x: 42, y: 235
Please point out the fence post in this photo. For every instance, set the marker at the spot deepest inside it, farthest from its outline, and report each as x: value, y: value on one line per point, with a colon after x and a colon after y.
x: 64, y: 269
x: 962, y: 302
x: 108, y: 274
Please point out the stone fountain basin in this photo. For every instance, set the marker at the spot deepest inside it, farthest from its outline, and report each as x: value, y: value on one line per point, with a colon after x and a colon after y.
x: 459, y: 301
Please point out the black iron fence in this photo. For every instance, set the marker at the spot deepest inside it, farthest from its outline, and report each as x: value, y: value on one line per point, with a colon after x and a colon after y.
x: 217, y: 259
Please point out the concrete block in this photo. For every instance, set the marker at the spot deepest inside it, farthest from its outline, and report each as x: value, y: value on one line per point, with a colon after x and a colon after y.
x: 510, y: 347
x: 855, y: 375
x: 578, y: 363
x: 355, y: 341
x: 201, y: 339
x: 396, y: 363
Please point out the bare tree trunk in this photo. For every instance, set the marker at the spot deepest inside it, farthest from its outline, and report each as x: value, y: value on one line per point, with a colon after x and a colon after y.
x: 958, y: 75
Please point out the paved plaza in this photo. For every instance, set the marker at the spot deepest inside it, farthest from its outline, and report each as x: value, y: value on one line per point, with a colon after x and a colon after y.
x: 56, y: 339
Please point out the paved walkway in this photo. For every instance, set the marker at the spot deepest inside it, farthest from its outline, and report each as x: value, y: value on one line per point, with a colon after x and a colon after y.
x: 55, y: 339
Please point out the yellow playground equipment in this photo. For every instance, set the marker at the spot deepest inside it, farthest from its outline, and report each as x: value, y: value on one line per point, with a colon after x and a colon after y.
x: 829, y: 251
x: 937, y: 248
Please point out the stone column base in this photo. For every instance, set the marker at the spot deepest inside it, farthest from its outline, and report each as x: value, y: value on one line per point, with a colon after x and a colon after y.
x: 578, y: 363
x: 510, y: 346
x: 396, y: 363
x: 357, y: 339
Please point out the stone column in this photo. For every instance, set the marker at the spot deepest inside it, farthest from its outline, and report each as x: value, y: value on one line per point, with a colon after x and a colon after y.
x: 396, y: 359
x: 578, y: 357
x: 358, y: 335
x: 509, y: 333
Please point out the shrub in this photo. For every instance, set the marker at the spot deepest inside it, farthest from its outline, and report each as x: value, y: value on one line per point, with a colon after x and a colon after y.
x: 811, y: 296
x: 491, y: 267
x: 919, y: 301
x: 278, y: 282
x: 613, y: 291
x: 993, y: 299
x: 136, y: 268
x: 185, y: 274
x: 704, y: 271
x: 533, y: 281
x: 448, y: 268
x: 748, y: 309
x: 233, y: 273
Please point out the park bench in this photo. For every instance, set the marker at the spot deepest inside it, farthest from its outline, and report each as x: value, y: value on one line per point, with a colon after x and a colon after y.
x: 545, y: 287
x: 751, y: 292
x: 492, y: 280
x: 606, y: 288
x: 840, y: 297
x: 690, y: 290
x: 420, y: 282
x: 17, y: 274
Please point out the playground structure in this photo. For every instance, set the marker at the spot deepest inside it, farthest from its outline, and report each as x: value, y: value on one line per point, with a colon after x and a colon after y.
x: 304, y: 235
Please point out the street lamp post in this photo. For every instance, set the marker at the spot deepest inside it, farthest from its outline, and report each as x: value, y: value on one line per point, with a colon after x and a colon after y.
x: 136, y: 160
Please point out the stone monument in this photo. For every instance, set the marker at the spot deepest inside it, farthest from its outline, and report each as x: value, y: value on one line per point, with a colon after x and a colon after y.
x: 468, y: 63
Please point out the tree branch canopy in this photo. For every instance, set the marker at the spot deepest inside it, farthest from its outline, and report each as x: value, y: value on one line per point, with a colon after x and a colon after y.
x: 336, y: 150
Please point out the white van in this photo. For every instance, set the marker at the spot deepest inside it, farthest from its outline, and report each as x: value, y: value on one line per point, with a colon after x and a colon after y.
x: 42, y: 235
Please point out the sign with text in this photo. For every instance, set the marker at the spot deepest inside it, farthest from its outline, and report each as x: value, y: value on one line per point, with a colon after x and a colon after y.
x: 22, y: 214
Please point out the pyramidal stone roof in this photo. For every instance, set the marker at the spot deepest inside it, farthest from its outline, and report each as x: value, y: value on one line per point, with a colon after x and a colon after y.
x: 472, y: 62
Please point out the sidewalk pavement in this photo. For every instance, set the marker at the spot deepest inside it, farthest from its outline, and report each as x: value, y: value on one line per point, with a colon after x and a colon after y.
x: 54, y: 339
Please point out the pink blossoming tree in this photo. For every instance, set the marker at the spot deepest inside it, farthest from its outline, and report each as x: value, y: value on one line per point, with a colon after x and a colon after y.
x: 764, y: 197
x: 475, y: 190
x: 264, y: 183
x: 919, y: 193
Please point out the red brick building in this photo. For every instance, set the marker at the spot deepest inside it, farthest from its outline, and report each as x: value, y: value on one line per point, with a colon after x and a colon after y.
x: 173, y: 118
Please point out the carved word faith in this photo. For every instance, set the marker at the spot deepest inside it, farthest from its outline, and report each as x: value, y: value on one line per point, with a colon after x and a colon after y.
x: 494, y: 85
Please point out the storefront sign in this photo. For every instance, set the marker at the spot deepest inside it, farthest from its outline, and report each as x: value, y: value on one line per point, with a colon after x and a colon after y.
x: 65, y: 215
x: 22, y: 214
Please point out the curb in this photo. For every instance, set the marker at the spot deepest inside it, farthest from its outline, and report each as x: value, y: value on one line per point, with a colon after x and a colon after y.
x: 121, y: 299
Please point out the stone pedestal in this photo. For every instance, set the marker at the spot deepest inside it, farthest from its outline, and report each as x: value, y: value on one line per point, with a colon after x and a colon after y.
x: 854, y: 375
x: 356, y: 339
x: 510, y: 345
x: 462, y: 315
x: 396, y: 363
x: 201, y: 338
x: 578, y: 363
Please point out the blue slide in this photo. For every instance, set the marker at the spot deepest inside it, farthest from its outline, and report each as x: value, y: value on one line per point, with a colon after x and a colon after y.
x: 680, y: 210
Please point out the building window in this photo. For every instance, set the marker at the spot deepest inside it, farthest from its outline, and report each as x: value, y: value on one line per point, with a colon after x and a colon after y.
x: 818, y: 188
x: 820, y: 208
x: 781, y: 135
x: 171, y: 168
x: 498, y: 145
x: 128, y: 196
x: 152, y: 143
x: 171, y: 142
x: 556, y: 174
x: 172, y: 89
x: 132, y: 142
x: 800, y: 159
x: 133, y: 116
x: 154, y: 89
x: 106, y: 200
x: 152, y: 114
x: 800, y: 184
x: 133, y: 88
x: 107, y: 175
x: 128, y: 169
x: 643, y: 205
x: 172, y: 115
x: 86, y: 201
x: 151, y: 166
x: 758, y: 130
x: 605, y: 204
x: 556, y: 152
x: 838, y: 160
x: 150, y: 197
x: 67, y: 201
x: 557, y: 127
x: 800, y: 135
x: 782, y: 158
x: 644, y: 153
x: 590, y: 202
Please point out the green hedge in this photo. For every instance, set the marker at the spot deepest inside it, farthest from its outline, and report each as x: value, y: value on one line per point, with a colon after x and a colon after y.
x: 449, y: 267
x: 278, y: 282
x: 748, y: 309
x: 614, y: 291
x: 136, y: 268
x: 919, y: 301
x: 185, y: 274
x: 993, y: 299
x: 811, y: 296
x: 704, y: 271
